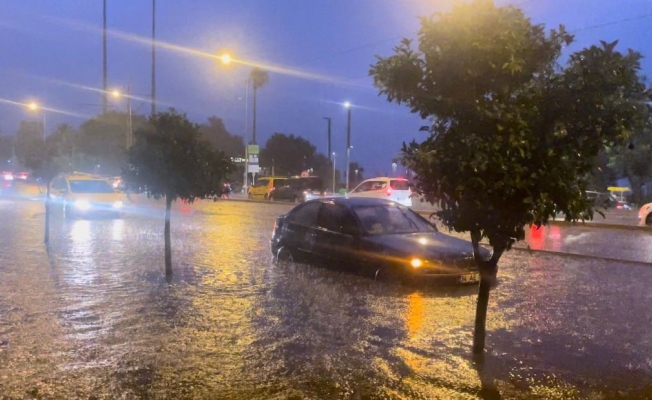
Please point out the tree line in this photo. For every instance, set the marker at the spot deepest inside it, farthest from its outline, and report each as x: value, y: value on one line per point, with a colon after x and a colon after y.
x: 99, y: 145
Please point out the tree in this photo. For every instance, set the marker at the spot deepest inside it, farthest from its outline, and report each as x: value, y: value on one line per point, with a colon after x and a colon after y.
x: 288, y: 154
x: 29, y: 140
x: 41, y: 157
x: 63, y: 142
x: 633, y: 161
x: 219, y: 137
x: 259, y: 78
x: 103, y: 139
x: 6, y: 151
x: 172, y: 162
x: 514, y: 134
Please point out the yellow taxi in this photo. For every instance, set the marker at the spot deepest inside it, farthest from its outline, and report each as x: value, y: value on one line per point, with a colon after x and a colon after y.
x: 83, y: 195
x: 264, y: 185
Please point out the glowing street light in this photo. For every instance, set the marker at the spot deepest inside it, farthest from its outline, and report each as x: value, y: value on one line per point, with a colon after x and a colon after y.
x: 33, y: 106
x: 117, y: 94
x: 225, y: 58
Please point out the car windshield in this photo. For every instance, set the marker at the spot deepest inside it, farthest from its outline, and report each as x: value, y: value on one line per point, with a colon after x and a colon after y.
x: 389, y: 219
x: 90, y: 186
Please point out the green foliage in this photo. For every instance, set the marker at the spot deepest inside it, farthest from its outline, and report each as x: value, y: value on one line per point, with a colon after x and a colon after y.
x: 515, y: 135
x: 219, y: 137
x: 170, y: 160
x: 288, y: 154
x: 103, y: 139
x: 29, y: 140
x: 6, y: 150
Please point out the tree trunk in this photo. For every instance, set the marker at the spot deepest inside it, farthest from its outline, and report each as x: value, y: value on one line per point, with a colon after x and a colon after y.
x: 168, y: 245
x: 488, y: 270
x: 46, y: 238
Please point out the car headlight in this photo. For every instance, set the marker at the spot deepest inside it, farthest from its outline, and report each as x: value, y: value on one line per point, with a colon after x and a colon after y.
x: 416, y: 263
x: 117, y: 204
x: 82, y: 204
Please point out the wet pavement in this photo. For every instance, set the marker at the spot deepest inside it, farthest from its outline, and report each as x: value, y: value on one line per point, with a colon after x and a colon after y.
x: 92, y: 317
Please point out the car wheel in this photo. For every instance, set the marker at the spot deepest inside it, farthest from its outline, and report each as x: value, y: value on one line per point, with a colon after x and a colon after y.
x: 284, y: 256
x: 250, y: 196
x: 271, y: 198
x: 648, y: 220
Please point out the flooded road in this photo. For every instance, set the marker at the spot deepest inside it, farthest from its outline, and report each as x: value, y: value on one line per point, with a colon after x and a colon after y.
x: 93, y: 317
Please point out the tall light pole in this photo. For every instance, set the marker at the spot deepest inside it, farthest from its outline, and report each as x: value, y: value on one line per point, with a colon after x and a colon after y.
x: 104, y: 65
x: 334, y: 172
x: 153, y: 57
x: 130, y: 129
x: 246, y: 133
x: 33, y: 106
x: 329, y: 137
x: 348, y: 143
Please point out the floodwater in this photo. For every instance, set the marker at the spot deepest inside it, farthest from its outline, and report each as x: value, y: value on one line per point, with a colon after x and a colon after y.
x: 93, y: 317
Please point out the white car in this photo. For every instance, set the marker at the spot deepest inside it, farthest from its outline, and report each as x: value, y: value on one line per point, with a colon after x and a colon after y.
x: 645, y: 215
x: 83, y: 195
x: 394, y: 189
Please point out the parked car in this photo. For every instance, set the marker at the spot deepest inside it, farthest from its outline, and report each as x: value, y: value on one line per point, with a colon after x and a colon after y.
x: 298, y: 189
x: 395, y: 189
x: 263, y: 186
x: 645, y: 215
x: 601, y: 200
x: 372, y: 235
x: 81, y: 195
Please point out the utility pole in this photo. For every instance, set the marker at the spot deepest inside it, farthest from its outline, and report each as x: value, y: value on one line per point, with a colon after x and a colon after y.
x: 130, y: 128
x: 329, y: 137
x: 153, y: 57
x: 104, y: 66
x: 348, y: 146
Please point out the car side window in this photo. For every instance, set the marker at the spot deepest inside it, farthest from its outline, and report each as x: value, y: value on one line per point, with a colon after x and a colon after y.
x: 279, y: 183
x: 364, y: 187
x: 336, y: 218
x: 305, y: 215
x: 262, y: 183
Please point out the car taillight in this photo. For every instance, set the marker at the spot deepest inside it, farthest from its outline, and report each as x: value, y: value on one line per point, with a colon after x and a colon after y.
x: 389, y: 191
x: 275, y: 226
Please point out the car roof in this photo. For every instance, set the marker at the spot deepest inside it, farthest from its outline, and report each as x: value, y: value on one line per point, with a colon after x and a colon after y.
x: 80, y: 176
x: 351, y: 202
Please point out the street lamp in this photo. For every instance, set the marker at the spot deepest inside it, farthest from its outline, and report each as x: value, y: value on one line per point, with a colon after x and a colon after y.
x: 116, y: 93
x: 333, y: 172
x: 347, y: 105
x: 225, y: 58
x: 33, y: 106
x: 329, y: 137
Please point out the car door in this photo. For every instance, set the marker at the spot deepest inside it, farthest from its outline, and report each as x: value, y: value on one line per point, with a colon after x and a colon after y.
x: 298, y: 232
x: 337, y: 235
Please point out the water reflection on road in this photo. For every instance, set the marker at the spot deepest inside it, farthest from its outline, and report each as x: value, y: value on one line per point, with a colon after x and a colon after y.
x: 94, y: 316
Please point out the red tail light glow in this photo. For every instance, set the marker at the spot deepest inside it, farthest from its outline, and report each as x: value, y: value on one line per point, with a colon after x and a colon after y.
x: 389, y: 191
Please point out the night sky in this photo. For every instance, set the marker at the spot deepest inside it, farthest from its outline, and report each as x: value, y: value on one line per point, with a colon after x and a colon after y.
x: 319, y: 53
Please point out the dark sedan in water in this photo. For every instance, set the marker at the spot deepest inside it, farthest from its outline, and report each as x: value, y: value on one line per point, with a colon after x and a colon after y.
x: 375, y: 235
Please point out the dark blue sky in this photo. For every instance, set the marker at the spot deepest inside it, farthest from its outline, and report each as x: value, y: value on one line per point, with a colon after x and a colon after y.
x: 326, y: 46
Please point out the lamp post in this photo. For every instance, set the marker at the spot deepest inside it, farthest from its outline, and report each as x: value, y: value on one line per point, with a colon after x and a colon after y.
x: 130, y: 133
x: 348, y: 143
x: 329, y: 137
x: 334, y: 172
x: 33, y: 106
